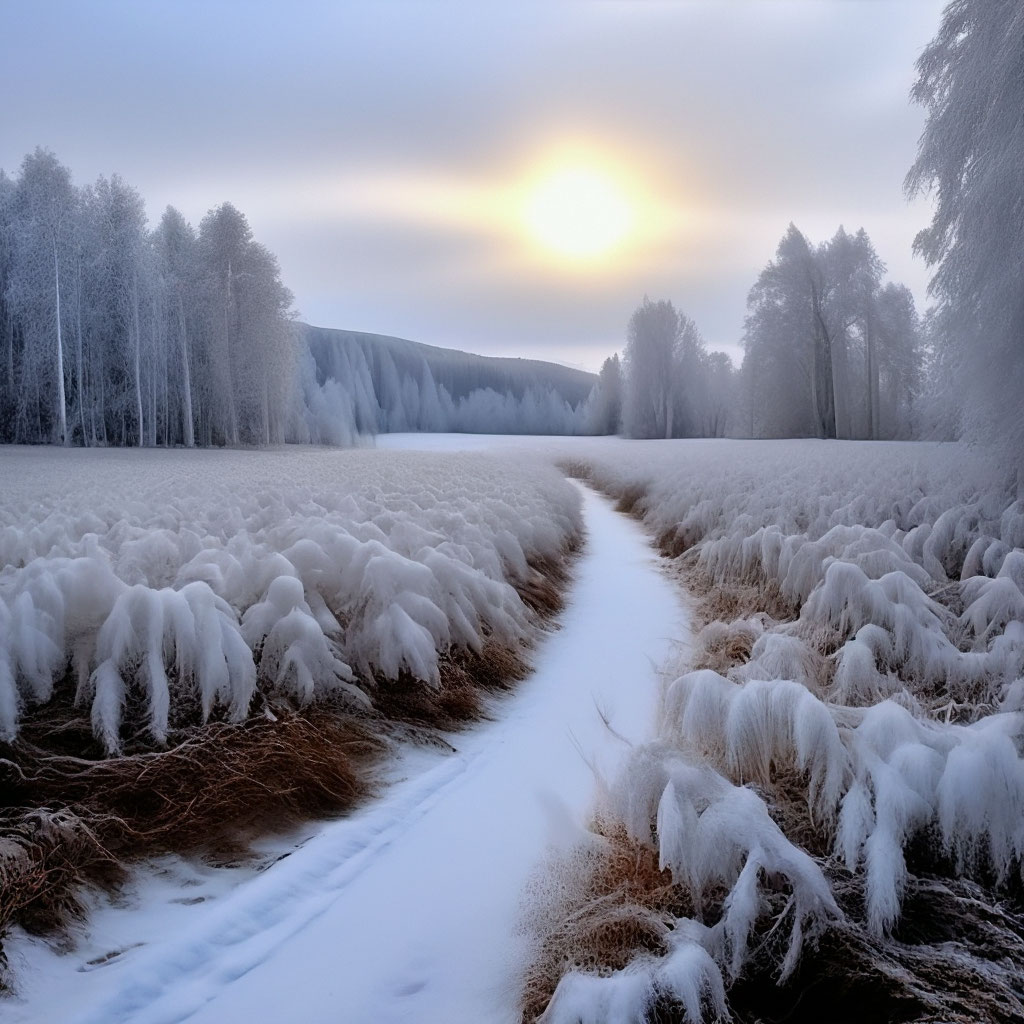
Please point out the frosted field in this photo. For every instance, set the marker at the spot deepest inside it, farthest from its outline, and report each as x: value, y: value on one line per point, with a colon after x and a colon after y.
x: 866, y: 634
x: 851, y: 696
x: 124, y: 565
x: 408, y: 910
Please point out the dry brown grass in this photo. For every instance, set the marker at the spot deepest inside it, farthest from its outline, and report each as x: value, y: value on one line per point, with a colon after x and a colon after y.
x: 466, y: 676
x: 70, y: 821
x: 71, y: 817
x: 576, y: 470
x: 739, y: 599
x: 543, y: 591
x: 629, y: 501
x: 721, y: 646
x: 45, y: 857
x: 618, y: 905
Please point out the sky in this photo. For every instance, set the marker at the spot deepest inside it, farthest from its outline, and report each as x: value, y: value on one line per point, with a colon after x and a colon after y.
x: 506, y: 178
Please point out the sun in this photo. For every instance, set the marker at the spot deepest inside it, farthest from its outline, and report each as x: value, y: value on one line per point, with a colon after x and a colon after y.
x: 578, y: 212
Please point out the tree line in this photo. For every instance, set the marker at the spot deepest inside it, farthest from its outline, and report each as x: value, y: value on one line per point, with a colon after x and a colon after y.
x: 114, y: 334
x: 394, y: 385
x: 829, y: 351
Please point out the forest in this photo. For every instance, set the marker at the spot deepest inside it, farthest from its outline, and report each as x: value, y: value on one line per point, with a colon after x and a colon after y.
x: 116, y: 334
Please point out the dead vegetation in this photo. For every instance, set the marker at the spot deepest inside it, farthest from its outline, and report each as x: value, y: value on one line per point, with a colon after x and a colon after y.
x: 721, y: 646
x: 70, y: 821
x: 72, y: 818
x: 466, y: 677
x: 610, y: 903
x: 739, y: 599
x: 955, y: 956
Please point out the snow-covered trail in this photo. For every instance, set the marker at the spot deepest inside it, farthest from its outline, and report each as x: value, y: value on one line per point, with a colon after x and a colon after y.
x: 407, y: 911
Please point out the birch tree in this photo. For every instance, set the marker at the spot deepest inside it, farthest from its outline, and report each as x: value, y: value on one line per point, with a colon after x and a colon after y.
x: 43, y: 209
x: 175, y: 243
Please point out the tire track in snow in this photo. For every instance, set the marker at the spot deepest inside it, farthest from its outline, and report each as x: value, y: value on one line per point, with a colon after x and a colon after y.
x: 246, y: 927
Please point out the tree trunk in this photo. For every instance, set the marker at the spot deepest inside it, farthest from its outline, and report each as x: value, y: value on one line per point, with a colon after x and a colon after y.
x: 813, y: 375
x: 874, y: 396
x: 61, y: 405
x: 186, y: 387
x: 823, y: 369
x: 138, y: 357
x: 79, y: 362
x: 232, y: 425
x: 840, y: 399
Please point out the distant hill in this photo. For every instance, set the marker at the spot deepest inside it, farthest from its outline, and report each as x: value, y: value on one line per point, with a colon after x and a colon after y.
x: 459, y: 373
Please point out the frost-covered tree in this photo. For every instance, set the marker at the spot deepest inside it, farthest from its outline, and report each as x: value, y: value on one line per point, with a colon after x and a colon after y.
x: 672, y: 385
x: 604, y: 406
x: 43, y: 210
x: 652, y: 344
x: 119, y: 283
x: 787, y: 364
x: 829, y: 350
x: 970, y: 156
x: 850, y: 279
x: 174, y: 242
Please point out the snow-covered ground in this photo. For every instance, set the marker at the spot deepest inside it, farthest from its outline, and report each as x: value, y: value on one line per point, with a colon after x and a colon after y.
x: 876, y: 638
x: 409, y: 909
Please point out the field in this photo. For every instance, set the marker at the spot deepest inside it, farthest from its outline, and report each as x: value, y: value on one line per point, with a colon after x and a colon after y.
x: 823, y: 776
x: 834, y: 787
x: 200, y: 648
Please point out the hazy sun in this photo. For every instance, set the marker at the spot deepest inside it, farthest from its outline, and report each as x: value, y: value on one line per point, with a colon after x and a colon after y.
x: 578, y: 212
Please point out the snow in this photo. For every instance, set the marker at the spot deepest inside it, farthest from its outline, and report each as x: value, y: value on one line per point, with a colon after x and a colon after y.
x: 408, y: 910
x: 885, y: 671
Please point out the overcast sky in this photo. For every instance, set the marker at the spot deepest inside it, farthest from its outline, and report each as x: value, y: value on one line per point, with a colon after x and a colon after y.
x: 381, y: 149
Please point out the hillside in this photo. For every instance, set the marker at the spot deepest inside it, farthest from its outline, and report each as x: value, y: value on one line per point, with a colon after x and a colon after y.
x: 445, y: 382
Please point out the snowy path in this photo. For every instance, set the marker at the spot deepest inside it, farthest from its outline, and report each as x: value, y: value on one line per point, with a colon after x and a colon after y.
x: 407, y: 911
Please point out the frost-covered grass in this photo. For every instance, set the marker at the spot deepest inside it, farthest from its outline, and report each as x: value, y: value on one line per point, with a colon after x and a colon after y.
x: 848, y: 723
x: 197, y: 645
x: 188, y: 581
